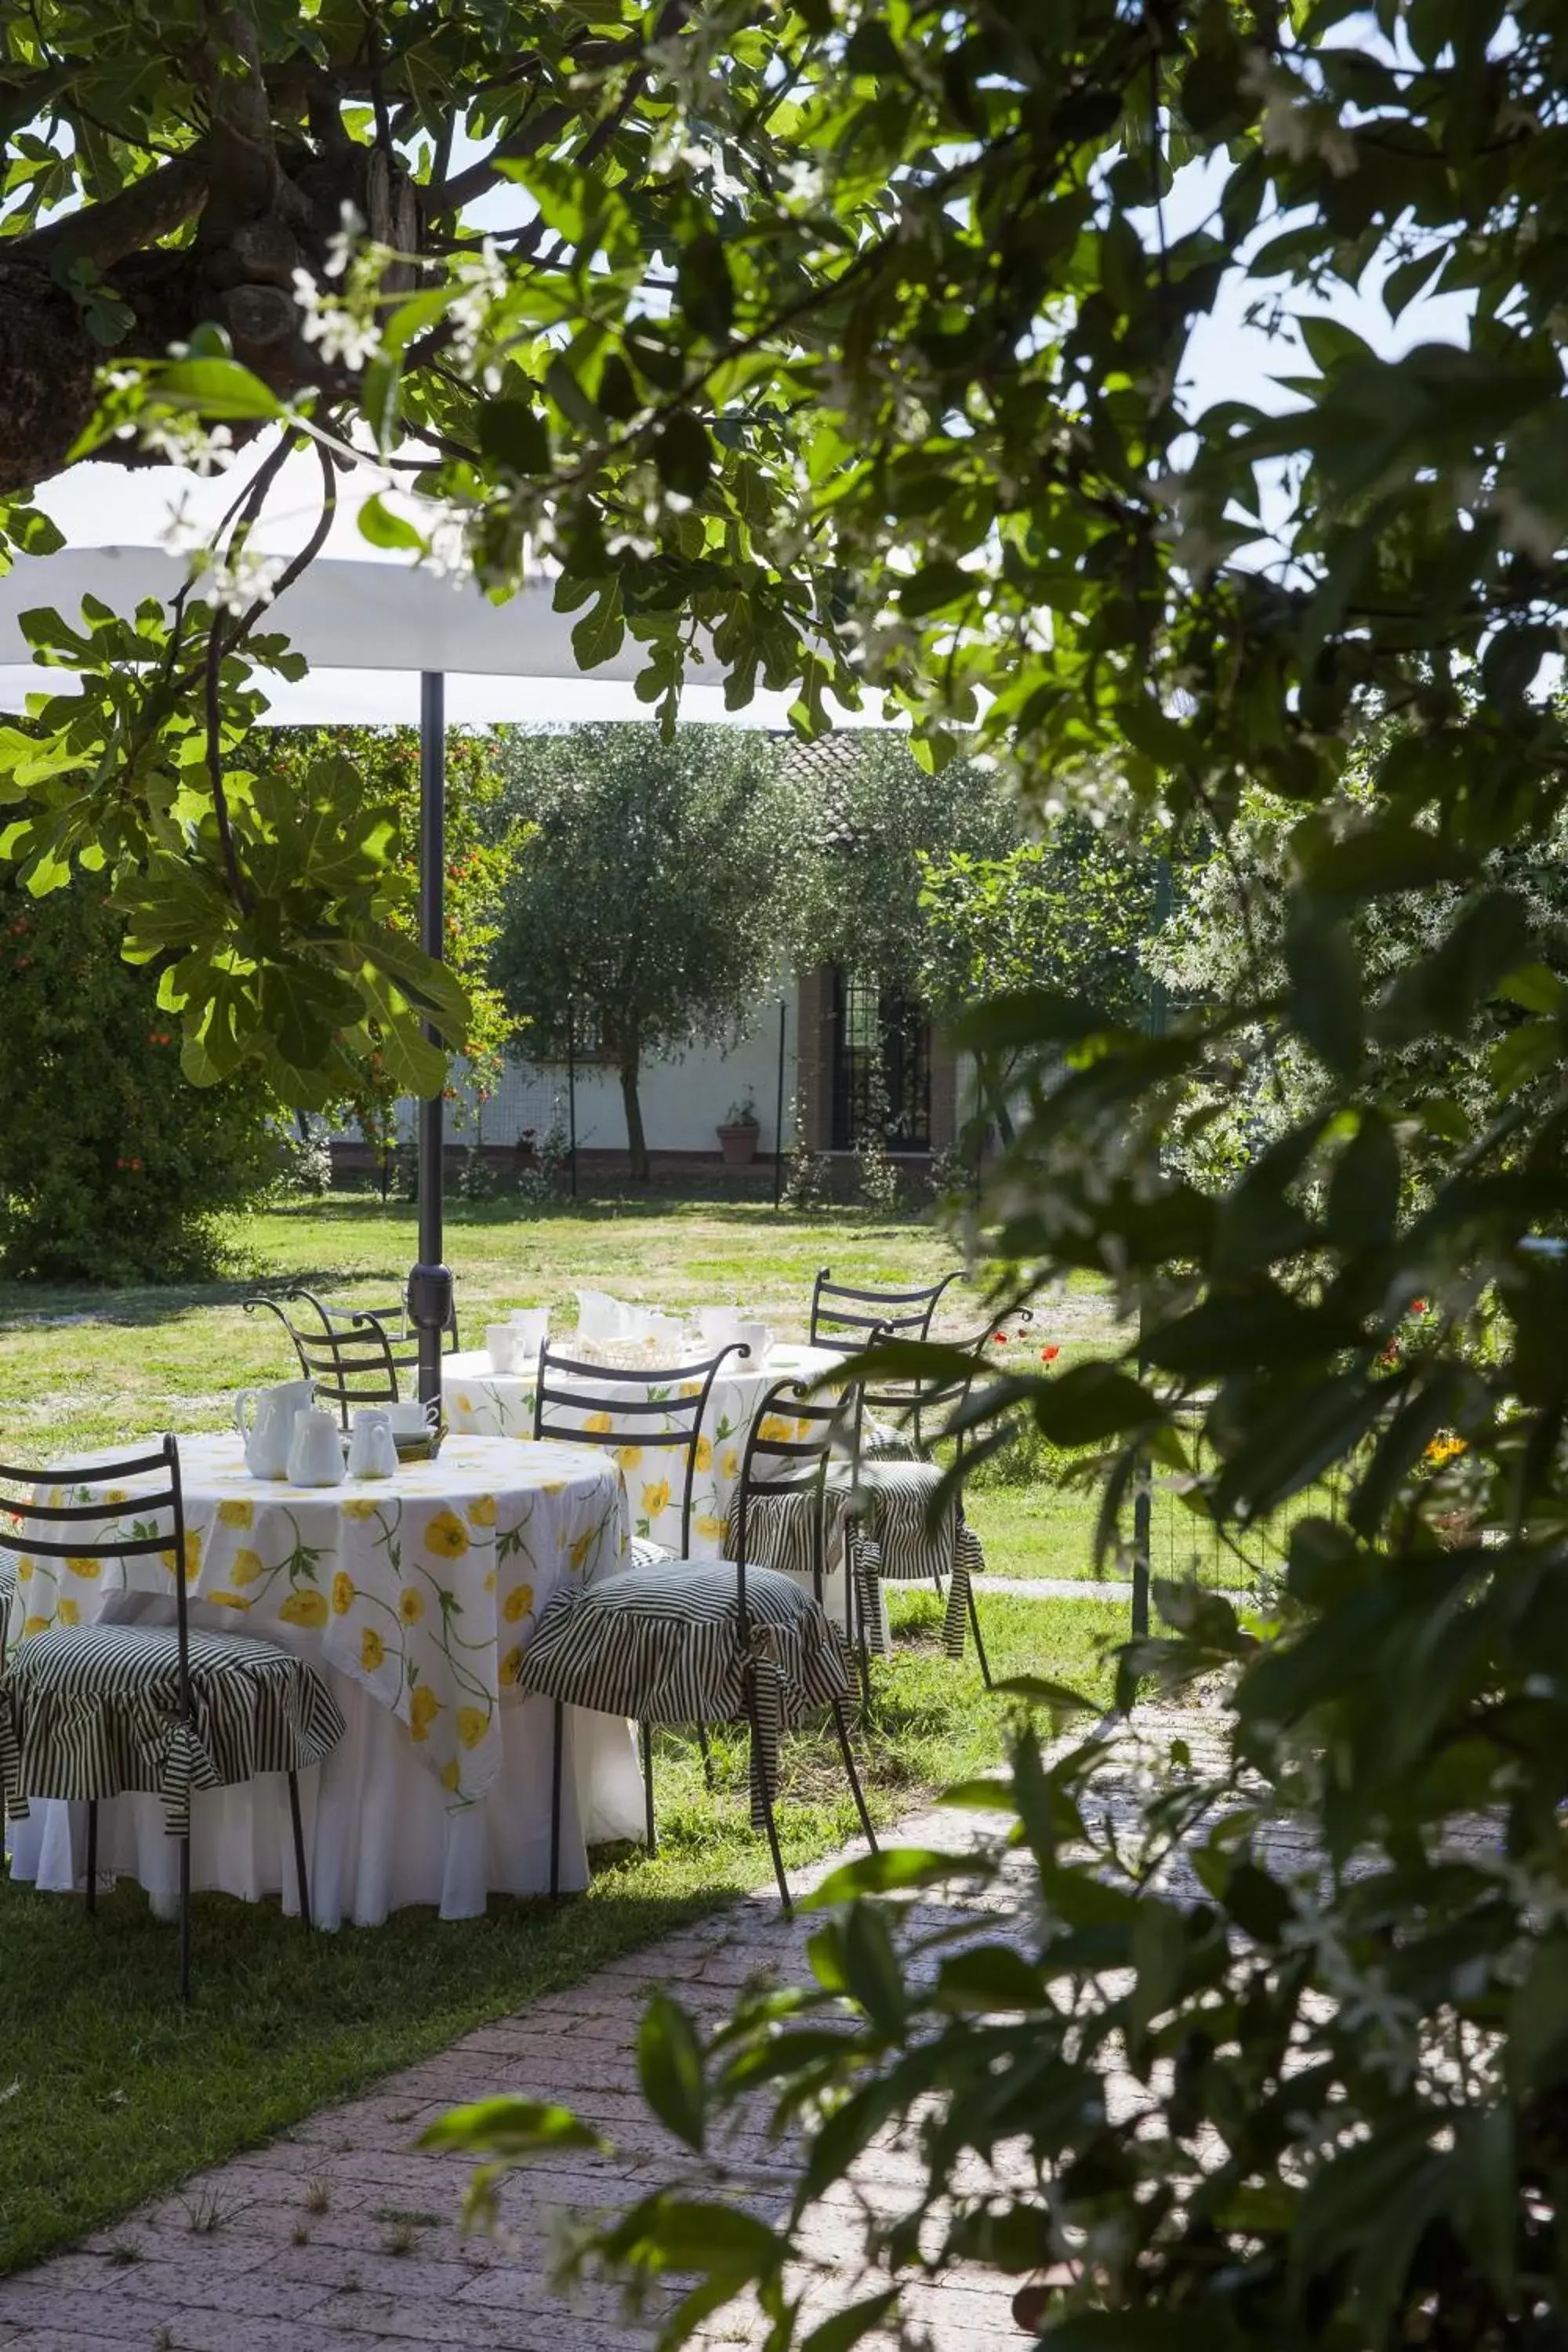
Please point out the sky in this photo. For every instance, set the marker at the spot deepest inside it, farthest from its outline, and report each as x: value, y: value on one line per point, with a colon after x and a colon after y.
x: 100, y: 505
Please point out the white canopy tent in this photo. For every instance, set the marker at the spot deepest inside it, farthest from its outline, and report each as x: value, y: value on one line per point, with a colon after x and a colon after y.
x: 348, y: 617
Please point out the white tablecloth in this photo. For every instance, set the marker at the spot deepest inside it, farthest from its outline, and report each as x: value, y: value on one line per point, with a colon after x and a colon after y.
x: 417, y: 1596
x: 502, y: 1403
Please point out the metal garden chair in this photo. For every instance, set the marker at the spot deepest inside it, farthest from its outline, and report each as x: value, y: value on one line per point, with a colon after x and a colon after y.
x: 89, y: 1712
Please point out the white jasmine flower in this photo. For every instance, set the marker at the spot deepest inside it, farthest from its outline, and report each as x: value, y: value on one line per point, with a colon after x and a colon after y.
x: 339, y: 248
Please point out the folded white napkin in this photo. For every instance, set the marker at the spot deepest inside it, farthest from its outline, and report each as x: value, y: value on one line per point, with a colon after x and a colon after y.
x: 600, y: 1316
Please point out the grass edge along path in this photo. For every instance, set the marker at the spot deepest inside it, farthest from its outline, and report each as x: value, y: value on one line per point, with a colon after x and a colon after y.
x: 109, y: 2094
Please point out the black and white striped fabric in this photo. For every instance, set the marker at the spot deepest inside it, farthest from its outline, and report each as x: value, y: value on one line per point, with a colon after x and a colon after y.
x: 7, y: 1588
x: 897, y: 1539
x: 645, y: 1553
x: 93, y: 1711
x: 781, y: 1528
x: 663, y: 1645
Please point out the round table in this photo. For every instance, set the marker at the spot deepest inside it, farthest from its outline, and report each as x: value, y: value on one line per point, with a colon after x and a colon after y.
x: 502, y: 1403
x: 418, y: 1595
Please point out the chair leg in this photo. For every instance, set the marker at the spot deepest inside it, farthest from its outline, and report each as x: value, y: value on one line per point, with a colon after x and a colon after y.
x: 555, y: 1735
x: 979, y: 1644
x: 186, y: 1919
x: 302, y: 1877
x: 849, y: 1755
x: 92, y: 1855
x: 648, y: 1785
x: 707, y: 1756
x: 771, y: 1825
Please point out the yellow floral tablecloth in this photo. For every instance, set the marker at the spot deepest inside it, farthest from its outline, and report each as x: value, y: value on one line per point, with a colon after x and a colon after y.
x: 424, y: 1588
x: 502, y: 1403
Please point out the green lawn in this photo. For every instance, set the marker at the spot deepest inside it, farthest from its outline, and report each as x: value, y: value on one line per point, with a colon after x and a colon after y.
x: 84, y: 1368
x: 120, y: 2094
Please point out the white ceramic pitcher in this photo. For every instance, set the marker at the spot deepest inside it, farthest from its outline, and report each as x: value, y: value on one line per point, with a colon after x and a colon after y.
x: 269, y: 1432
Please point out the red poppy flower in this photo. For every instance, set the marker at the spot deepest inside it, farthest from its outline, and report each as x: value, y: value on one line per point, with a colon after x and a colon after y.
x: 1050, y: 1354
x: 1000, y: 1337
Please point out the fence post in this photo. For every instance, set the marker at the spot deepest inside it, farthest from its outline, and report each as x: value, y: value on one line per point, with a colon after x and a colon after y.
x: 572, y: 1092
x: 778, y: 1115
x: 1143, y: 1486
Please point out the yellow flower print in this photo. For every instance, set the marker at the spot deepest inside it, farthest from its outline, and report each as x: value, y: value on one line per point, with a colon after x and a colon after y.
x: 66, y: 1613
x: 236, y: 1512
x: 423, y: 1706
x: 709, y: 1528
x: 464, y: 1404
x: 372, y: 1651
x: 689, y: 1388
x: 804, y: 1428
x: 729, y: 1463
x: 80, y: 1565
x: 452, y: 1777
x: 473, y: 1722
x: 193, y: 1556
x: 116, y: 1495
x: 24, y: 1571
x: 446, y: 1535
x: 628, y: 1456
x: 227, y: 1600
x: 245, y: 1567
x: 411, y: 1604
x: 34, y: 1625
x: 518, y: 1602
x: 305, y: 1608
x: 553, y: 1486
x: 481, y: 1511
x: 344, y: 1594
x: 580, y: 1549
x: 510, y: 1669
x: 705, y: 1453
x: 598, y: 1423
x: 773, y: 1428
x: 361, y: 1507
x: 656, y: 1498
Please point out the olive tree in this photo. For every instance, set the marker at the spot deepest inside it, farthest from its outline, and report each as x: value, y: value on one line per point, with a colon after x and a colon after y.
x: 654, y: 897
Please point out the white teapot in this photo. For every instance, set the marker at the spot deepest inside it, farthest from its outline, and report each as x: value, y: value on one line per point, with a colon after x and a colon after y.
x: 270, y: 1433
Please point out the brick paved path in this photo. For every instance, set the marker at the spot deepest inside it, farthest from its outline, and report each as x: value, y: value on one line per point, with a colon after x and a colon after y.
x: 340, y: 2236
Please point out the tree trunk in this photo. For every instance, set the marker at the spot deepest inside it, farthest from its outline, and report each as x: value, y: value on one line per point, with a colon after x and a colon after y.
x: 637, y: 1142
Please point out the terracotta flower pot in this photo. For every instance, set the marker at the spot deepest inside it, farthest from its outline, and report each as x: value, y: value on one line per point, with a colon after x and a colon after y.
x: 739, y: 1144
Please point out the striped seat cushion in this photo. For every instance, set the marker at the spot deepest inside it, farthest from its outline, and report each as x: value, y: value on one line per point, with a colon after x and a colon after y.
x: 781, y: 1528
x: 7, y: 1585
x: 93, y: 1711
x: 663, y: 1645
x: 900, y: 1541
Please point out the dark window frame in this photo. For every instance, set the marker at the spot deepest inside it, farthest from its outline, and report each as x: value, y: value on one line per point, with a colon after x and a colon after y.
x: 864, y: 1014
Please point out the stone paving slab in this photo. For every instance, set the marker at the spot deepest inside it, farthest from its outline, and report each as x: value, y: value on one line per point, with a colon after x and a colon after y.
x: 341, y: 2235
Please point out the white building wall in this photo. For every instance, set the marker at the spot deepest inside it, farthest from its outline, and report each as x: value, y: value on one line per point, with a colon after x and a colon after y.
x: 683, y: 1098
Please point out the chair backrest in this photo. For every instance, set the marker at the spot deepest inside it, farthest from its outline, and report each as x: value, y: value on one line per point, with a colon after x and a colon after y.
x: 644, y: 1407
x: 843, y: 1315
x: 789, y: 1446
x: 921, y: 1403
x: 81, y: 1526
x: 346, y: 1352
x: 393, y: 1319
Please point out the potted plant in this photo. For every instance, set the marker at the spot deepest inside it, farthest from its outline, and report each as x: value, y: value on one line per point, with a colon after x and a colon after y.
x: 738, y: 1133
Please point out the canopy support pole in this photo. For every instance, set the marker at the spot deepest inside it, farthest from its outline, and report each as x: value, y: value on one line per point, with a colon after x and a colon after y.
x: 430, y: 1284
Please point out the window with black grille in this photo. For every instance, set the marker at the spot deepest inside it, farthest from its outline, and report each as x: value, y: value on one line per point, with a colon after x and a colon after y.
x: 881, y: 1036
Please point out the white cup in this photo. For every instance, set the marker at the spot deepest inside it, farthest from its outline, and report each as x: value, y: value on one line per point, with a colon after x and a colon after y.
x: 409, y: 1418
x: 531, y: 1325
x: 501, y: 1342
x: 754, y: 1336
